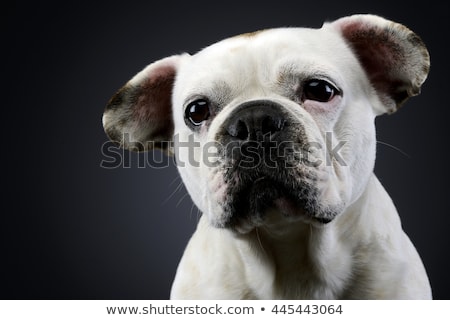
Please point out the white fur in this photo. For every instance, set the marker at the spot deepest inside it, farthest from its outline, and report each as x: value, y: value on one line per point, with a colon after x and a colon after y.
x: 363, y: 253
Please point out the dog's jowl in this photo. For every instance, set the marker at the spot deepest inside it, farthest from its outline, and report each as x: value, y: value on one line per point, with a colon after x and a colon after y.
x: 274, y: 137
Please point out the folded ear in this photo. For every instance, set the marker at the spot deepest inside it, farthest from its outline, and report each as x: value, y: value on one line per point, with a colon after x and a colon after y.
x: 394, y: 58
x: 139, y: 116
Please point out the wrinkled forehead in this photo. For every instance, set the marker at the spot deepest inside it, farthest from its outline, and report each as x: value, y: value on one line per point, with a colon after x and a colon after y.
x: 267, y: 54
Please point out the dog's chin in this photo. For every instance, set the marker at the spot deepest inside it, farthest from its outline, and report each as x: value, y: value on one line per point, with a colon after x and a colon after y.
x: 281, y: 210
x: 265, y: 202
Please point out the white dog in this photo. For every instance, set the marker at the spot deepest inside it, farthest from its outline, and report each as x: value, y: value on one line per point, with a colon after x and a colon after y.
x: 273, y: 133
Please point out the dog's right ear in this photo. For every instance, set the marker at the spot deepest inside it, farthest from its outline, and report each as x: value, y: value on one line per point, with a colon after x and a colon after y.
x: 139, y: 116
x: 395, y: 59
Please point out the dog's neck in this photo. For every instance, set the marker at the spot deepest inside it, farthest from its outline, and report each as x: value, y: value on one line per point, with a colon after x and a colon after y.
x: 308, y: 256
x: 298, y: 252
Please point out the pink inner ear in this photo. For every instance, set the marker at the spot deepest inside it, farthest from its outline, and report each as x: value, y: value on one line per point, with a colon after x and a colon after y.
x: 381, y: 55
x: 376, y: 47
x: 154, y: 105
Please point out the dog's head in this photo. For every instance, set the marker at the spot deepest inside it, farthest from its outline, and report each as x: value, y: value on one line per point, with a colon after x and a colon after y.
x: 276, y: 124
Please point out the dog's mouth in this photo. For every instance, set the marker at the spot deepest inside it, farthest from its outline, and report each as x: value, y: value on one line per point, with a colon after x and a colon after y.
x: 250, y: 204
x: 268, y: 170
x: 265, y: 193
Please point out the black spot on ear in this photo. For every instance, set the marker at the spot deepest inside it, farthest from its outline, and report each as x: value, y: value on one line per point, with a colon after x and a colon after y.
x: 164, y: 145
x: 142, y: 109
x: 400, y: 97
x: 127, y: 95
x: 114, y: 135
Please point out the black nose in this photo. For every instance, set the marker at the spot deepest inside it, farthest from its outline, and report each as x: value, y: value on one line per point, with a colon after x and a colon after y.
x: 254, y: 121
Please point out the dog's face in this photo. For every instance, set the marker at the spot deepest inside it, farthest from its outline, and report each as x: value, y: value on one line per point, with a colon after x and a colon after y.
x: 272, y: 104
x: 276, y: 125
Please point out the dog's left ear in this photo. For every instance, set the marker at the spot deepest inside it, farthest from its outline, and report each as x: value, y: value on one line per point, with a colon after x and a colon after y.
x: 139, y: 116
x: 395, y: 58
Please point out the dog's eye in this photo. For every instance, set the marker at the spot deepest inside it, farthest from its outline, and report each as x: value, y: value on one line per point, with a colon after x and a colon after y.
x: 197, y: 112
x: 319, y: 90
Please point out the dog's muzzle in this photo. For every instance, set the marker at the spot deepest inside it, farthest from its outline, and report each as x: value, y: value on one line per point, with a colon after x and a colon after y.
x: 263, y: 167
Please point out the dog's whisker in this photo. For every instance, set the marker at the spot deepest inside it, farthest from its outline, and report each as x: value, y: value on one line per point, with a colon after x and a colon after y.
x: 181, y: 199
x: 199, y: 214
x: 193, y: 206
x: 178, y: 188
x: 191, y: 211
x: 310, y: 232
x: 258, y: 237
x: 394, y: 147
x: 177, y: 178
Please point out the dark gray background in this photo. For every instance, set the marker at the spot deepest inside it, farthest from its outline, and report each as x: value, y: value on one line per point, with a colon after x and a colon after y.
x: 72, y: 230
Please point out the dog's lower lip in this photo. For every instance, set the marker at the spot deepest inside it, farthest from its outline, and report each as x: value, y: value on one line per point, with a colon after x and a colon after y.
x: 268, y: 194
x: 287, y: 206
